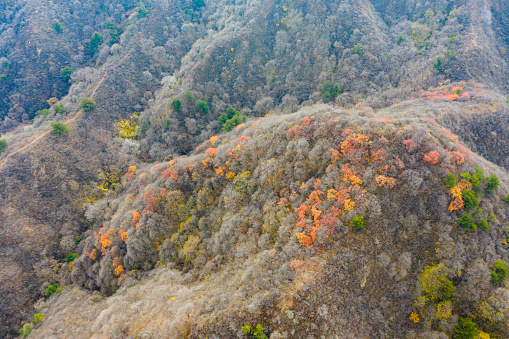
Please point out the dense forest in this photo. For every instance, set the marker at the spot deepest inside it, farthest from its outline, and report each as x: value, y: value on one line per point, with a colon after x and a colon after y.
x: 254, y: 169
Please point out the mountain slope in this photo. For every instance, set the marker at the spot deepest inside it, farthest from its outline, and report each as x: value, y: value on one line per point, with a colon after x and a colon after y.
x: 257, y: 229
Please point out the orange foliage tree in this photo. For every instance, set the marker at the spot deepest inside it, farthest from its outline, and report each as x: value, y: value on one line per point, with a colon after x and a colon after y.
x: 432, y: 157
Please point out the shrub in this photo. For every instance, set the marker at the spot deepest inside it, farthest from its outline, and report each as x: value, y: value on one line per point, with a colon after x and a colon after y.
x: 479, y: 173
x: 483, y: 224
x: 144, y: 127
x: 506, y: 199
x: 492, y: 183
x: 438, y: 64
x: 25, y: 330
x: 450, y: 180
x: 78, y: 239
x: 255, y: 332
x: 401, y: 39
x: 435, y: 284
x: 71, y: 257
x: 469, y: 199
x: 44, y: 112
x: 198, y: 4
x: 499, y: 273
x: 59, y: 108
x: 420, y: 35
x: 3, y: 145
x: 330, y: 91
x: 358, y: 223
x: 450, y: 53
x: 3, y: 77
x: 65, y: 73
x: 177, y: 105
x: 474, y: 179
x: 95, y: 41
x: 59, y: 128
x: 465, y: 329
x: 190, y: 97
x: 142, y: 12
x: 57, y: 27
x: 110, y: 25
x: 52, y: 289
x: 202, y: 106
x: 357, y: 49
x: 88, y: 104
x: 231, y: 118
x: 467, y: 222
x: 37, y: 318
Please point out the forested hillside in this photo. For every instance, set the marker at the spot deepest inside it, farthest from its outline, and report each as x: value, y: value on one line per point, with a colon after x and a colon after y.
x: 254, y: 169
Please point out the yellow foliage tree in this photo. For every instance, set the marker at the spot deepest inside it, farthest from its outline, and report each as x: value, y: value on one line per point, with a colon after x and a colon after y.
x: 190, y: 246
x: 127, y: 128
x: 349, y: 204
x: 119, y: 270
